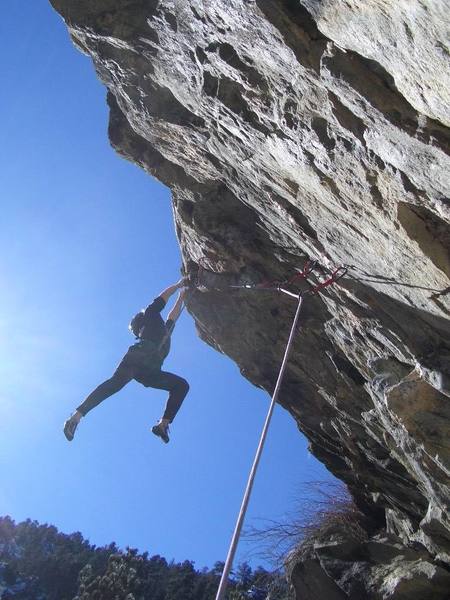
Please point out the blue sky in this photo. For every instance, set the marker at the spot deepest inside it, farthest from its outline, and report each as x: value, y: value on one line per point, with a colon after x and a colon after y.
x: 86, y: 240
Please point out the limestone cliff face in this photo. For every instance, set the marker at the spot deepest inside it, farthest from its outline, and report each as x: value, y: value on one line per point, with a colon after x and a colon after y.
x: 310, y: 129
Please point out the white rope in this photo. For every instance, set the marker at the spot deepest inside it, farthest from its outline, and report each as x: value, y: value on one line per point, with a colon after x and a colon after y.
x: 237, y: 531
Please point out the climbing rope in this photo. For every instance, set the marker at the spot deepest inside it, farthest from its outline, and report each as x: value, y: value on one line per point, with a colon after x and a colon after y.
x: 308, y: 268
x: 237, y: 531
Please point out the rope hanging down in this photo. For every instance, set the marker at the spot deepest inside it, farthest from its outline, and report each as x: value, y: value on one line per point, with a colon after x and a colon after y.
x: 337, y: 274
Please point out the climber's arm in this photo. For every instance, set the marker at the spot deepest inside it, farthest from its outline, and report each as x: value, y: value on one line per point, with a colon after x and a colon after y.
x: 176, y: 310
x: 160, y: 301
x: 165, y: 295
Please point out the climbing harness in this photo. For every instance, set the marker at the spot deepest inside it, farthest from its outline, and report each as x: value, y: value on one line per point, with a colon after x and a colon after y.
x: 314, y: 289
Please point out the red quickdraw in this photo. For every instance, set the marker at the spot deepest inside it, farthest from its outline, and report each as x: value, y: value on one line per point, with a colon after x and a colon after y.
x: 280, y: 286
x: 308, y: 268
x: 335, y: 276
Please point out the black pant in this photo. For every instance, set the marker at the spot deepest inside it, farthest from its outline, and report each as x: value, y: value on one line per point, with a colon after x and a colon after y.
x: 147, y: 376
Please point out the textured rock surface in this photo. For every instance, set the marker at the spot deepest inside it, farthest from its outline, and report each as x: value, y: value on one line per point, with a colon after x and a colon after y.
x: 317, y: 129
x: 379, y: 568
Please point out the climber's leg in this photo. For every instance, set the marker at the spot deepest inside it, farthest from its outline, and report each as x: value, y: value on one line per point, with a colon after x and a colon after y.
x: 177, y: 388
x: 122, y: 375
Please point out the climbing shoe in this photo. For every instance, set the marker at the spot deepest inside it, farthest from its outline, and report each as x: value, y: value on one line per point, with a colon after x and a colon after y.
x: 161, y: 431
x: 70, y: 427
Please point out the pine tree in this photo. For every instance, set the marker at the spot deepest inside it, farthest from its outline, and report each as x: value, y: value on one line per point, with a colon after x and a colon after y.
x: 38, y: 562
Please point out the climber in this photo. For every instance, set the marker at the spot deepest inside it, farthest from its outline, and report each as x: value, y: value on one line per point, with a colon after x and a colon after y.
x: 143, y: 362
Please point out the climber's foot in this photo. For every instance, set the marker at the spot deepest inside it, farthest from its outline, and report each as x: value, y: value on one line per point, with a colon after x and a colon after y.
x: 70, y: 427
x: 161, y: 429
